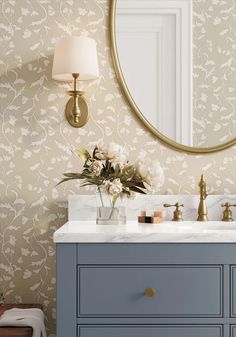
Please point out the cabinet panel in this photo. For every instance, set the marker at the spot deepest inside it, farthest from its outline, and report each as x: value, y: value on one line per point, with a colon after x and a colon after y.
x: 179, y: 291
x: 233, y: 291
x: 233, y: 331
x: 151, y: 331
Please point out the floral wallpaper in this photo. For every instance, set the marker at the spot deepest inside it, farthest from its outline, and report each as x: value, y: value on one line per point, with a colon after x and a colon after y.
x: 36, y: 142
x: 214, y: 71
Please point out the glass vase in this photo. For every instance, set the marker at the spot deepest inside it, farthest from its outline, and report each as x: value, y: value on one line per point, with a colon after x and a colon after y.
x: 107, y: 212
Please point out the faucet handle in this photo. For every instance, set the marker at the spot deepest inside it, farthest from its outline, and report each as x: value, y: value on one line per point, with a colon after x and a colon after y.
x: 227, y: 214
x: 177, y: 214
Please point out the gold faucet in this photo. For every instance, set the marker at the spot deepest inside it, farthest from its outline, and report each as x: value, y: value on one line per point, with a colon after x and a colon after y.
x: 202, y: 208
x: 177, y: 215
x: 227, y: 214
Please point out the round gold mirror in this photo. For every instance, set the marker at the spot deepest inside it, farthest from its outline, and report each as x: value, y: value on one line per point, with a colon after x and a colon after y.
x: 176, y: 64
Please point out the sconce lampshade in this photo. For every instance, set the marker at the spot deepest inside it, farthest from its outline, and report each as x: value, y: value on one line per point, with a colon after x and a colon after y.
x: 75, y: 55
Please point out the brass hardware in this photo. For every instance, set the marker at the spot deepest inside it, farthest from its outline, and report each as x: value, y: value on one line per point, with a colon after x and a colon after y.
x: 83, y: 107
x: 227, y: 214
x: 77, y: 107
x: 202, y: 208
x: 150, y: 292
x: 134, y: 107
x: 2, y: 298
x: 177, y: 215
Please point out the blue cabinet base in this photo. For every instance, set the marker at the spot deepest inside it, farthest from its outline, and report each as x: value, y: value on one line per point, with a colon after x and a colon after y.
x: 101, y: 290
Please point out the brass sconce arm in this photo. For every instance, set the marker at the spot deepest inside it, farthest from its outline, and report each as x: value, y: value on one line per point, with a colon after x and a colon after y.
x: 75, y: 110
x: 77, y: 107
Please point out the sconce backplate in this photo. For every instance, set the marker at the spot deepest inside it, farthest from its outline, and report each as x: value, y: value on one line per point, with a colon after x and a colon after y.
x: 83, y: 106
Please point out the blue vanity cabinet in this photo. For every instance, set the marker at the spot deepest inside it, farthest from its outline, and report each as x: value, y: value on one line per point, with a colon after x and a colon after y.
x: 151, y: 331
x: 102, y: 290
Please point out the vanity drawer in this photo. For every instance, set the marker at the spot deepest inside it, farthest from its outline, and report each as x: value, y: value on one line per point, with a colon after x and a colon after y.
x: 180, y: 291
x: 151, y: 331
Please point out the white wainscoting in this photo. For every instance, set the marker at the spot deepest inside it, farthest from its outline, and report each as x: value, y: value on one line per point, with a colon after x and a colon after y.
x: 154, y: 43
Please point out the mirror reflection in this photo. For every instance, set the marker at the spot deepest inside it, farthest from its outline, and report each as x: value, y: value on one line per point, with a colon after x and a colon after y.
x: 178, y: 60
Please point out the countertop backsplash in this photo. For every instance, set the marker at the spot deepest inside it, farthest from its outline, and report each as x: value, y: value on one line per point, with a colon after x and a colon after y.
x: 83, y: 207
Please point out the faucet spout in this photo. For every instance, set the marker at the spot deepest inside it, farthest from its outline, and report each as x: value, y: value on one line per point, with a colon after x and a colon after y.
x: 202, y: 208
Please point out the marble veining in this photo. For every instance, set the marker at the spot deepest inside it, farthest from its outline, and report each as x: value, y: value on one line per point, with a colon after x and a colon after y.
x: 169, y: 231
x: 83, y: 207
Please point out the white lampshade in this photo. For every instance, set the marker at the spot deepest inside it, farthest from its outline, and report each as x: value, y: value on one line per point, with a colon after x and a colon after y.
x: 75, y: 54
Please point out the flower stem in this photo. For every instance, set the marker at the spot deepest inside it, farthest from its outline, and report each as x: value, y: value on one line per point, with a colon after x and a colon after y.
x: 100, y: 194
x: 112, y: 211
x: 112, y: 207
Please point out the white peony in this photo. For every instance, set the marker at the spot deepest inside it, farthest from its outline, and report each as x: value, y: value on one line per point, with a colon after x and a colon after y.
x: 101, y: 154
x: 152, y: 173
x: 117, y: 154
x: 96, y: 167
x: 113, y: 187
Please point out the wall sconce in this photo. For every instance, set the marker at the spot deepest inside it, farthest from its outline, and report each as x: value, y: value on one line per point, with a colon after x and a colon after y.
x: 75, y: 58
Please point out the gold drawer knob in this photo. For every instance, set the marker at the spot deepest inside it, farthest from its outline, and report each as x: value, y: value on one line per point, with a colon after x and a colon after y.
x: 150, y: 292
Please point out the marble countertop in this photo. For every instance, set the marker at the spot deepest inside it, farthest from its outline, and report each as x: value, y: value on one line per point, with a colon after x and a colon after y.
x: 169, y: 231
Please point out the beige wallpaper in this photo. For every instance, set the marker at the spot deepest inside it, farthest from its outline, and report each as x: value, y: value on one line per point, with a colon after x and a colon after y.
x: 36, y: 142
x: 214, y: 71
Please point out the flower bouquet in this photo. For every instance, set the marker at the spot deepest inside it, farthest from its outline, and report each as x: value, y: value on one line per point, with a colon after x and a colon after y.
x: 115, y: 178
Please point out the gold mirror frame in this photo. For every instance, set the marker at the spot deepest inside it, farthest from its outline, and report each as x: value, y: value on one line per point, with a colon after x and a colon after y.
x: 125, y: 90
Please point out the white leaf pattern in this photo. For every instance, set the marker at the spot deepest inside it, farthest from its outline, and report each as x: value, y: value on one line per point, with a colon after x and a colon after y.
x: 36, y: 142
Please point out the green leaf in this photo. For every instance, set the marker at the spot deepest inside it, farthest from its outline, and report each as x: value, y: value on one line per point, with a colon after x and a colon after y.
x: 117, y: 170
x: 94, y: 152
x: 73, y: 175
x: 136, y: 189
x: 83, y: 154
x: 139, y: 184
x: 65, y: 180
x: 86, y: 184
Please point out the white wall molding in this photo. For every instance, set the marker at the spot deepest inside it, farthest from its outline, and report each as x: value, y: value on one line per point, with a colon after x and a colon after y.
x: 174, y: 117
